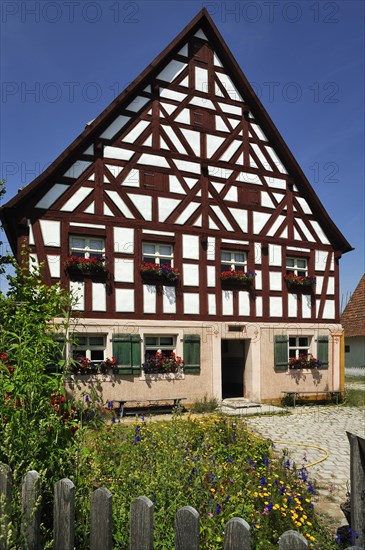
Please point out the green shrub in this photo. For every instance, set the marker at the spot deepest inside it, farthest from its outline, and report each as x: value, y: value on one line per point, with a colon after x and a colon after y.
x: 205, y: 405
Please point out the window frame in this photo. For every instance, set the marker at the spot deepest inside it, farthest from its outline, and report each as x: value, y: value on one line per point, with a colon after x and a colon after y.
x: 299, y: 349
x: 234, y: 265
x: 295, y: 269
x: 88, y: 348
x: 86, y: 251
x: 156, y: 258
x: 171, y: 348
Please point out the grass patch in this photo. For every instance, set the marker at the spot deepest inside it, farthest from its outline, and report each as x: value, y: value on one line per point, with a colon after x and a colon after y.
x: 354, y: 379
x: 211, y: 463
x: 354, y: 398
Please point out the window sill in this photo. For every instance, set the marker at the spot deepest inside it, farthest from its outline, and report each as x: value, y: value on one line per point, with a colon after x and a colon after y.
x: 164, y: 376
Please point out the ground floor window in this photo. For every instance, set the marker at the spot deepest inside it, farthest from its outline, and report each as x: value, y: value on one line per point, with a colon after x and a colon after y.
x: 298, y: 346
x: 91, y: 347
x: 159, y: 344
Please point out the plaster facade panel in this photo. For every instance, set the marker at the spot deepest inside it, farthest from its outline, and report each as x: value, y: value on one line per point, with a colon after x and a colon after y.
x: 124, y: 300
x: 51, y: 232
x: 98, y: 291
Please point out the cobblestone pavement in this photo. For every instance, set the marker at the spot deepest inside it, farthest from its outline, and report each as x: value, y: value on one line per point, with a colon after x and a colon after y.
x: 325, y: 429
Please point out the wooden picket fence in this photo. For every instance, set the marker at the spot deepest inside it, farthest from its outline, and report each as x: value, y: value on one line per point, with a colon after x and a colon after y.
x: 236, y: 531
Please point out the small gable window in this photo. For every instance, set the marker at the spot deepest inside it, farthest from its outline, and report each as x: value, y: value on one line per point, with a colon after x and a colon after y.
x: 87, y: 247
x: 155, y: 253
x: 297, y: 266
x: 232, y: 260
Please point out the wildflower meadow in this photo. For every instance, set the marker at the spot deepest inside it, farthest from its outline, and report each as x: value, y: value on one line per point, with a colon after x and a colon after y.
x: 212, y: 463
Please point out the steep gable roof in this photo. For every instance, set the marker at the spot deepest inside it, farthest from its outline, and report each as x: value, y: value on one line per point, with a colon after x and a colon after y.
x: 353, y: 317
x: 72, y: 162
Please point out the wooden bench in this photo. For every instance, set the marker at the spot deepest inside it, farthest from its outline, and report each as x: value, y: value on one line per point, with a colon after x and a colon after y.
x: 155, y: 406
x: 329, y: 393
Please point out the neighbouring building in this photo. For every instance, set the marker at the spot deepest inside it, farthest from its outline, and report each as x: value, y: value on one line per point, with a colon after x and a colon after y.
x: 185, y: 171
x: 353, y: 322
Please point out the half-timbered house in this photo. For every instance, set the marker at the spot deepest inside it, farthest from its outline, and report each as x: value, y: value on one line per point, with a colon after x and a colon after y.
x: 182, y: 223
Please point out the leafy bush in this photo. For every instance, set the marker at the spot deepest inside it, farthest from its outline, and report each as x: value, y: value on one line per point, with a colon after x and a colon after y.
x: 38, y: 422
x: 205, y: 405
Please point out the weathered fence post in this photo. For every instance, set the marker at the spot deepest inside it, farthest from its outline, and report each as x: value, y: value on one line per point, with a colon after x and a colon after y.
x: 292, y: 540
x: 141, y: 524
x: 187, y: 529
x: 64, y: 515
x: 237, y: 535
x: 101, y: 520
x: 357, y: 491
x: 31, y: 511
x: 6, y: 485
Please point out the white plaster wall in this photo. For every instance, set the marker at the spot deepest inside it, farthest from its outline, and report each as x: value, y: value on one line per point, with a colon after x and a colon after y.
x: 275, y: 255
x: 52, y: 195
x: 211, y: 275
x: 227, y: 302
x: 191, y: 274
x: 259, y: 306
x: 243, y: 303
x: 306, y: 307
x: 54, y: 264
x: 329, y: 309
x: 169, y: 299
x: 51, y: 232
x: 190, y: 247
x: 124, y: 240
x: 191, y: 303
x: 275, y: 279
x: 320, y: 260
x: 149, y: 298
x: 124, y: 300
x: 276, y: 306
x: 124, y: 270
x: 98, y: 296
x: 292, y: 305
x: 212, y: 310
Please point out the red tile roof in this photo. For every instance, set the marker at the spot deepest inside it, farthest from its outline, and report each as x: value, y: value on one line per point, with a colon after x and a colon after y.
x: 353, y: 317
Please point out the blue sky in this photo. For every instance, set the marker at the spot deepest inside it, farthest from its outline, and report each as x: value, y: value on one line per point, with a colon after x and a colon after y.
x: 63, y: 62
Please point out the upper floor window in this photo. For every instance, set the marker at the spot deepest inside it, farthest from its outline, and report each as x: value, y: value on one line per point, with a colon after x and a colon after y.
x: 162, y: 254
x: 233, y: 261
x: 297, y: 266
x: 87, y: 247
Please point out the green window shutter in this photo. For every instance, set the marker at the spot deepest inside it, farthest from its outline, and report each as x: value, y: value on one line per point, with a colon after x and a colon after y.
x: 322, y: 351
x: 281, y: 353
x: 127, y: 351
x: 191, y: 356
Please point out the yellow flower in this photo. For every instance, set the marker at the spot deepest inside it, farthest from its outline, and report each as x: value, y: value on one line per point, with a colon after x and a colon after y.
x: 212, y: 490
x: 309, y: 523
